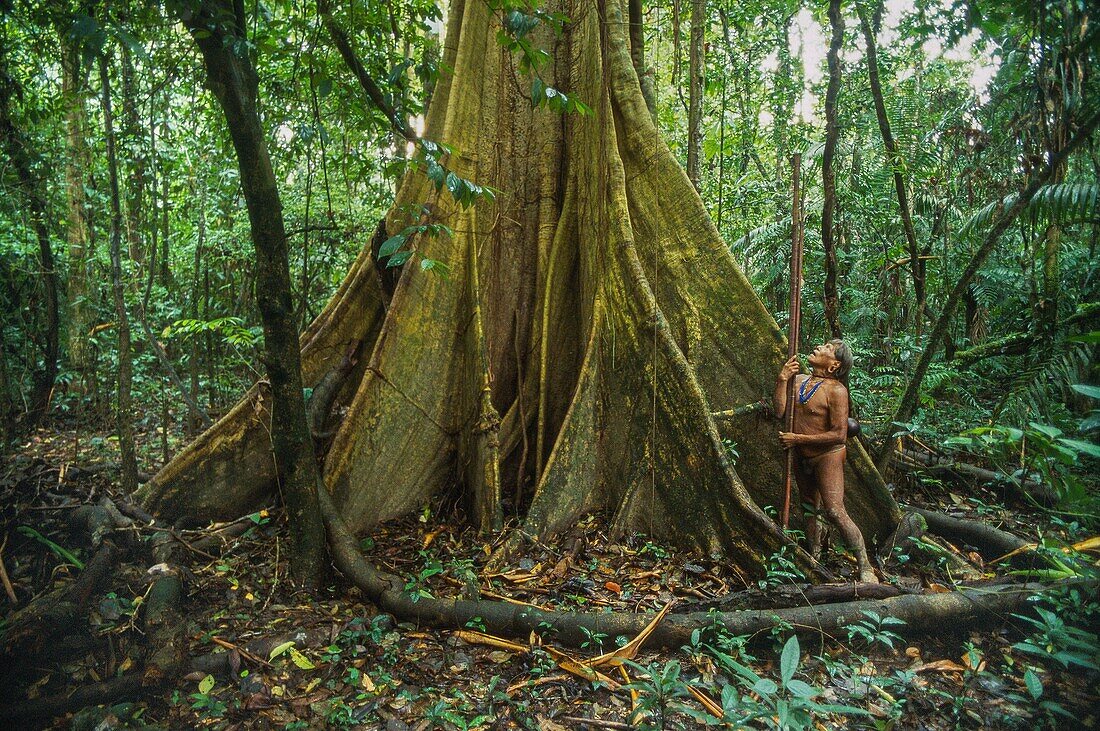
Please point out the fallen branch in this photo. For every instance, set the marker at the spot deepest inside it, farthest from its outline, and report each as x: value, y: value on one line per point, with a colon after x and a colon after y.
x: 128, y: 687
x: 1025, y: 489
x: 921, y: 613
x: 32, y: 629
x: 991, y: 542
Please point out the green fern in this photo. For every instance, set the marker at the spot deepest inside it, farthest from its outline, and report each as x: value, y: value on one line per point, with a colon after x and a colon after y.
x: 1044, y: 382
x: 1057, y: 202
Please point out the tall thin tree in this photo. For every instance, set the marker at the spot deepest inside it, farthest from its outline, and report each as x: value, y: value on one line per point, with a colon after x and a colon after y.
x: 123, y: 408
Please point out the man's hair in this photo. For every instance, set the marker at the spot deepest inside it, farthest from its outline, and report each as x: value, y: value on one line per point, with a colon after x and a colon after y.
x: 843, y: 353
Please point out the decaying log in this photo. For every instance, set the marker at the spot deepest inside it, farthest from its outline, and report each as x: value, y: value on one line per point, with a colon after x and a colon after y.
x: 165, y: 625
x: 1025, y: 490
x: 991, y: 542
x: 127, y: 687
x: 794, y: 595
x: 32, y: 630
x: 921, y: 613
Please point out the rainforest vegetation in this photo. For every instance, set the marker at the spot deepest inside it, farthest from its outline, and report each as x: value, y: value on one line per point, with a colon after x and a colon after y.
x: 410, y: 365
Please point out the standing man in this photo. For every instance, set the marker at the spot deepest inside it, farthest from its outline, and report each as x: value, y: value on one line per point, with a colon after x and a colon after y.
x: 819, y: 436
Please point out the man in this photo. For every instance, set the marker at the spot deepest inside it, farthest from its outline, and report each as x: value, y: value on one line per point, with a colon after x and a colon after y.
x: 819, y: 436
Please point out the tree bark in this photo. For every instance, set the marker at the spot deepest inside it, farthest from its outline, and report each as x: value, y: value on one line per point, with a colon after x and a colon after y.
x: 597, y: 265
x: 123, y: 409
x: 894, y: 160
x: 80, y: 311
x: 132, y: 134
x: 828, y: 175
x: 218, y: 28
x: 696, y: 74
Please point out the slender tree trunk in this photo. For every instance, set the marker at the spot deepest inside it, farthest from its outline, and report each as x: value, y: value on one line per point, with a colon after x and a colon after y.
x: 893, y: 159
x: 828, y: 175
x: 124, y: 407
x: 218, y: 28
x: 133, y: 135
x: 33, y: 188
x: 696, y: 73
x: 80, y: 311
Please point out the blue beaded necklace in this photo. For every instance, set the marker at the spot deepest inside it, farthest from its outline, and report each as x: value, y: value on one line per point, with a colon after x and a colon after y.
x: 804, y: 397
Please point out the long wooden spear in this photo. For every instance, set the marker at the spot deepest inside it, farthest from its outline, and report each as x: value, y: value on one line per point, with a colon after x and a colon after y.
x: 795, y: 319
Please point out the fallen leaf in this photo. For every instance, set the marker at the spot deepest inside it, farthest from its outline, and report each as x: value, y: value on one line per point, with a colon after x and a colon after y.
x: 280, y: 650
x: 941, y: 666
x: 612, y: 586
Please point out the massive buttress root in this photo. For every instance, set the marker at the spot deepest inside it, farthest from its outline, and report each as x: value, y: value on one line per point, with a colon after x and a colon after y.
x: 591, y: 321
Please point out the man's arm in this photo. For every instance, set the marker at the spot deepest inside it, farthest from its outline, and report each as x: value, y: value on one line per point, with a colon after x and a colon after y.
x: 786, y: 373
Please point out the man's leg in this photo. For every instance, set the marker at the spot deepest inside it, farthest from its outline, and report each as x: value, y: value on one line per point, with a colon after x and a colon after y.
x: 830, y: 481
x: 807, y: 490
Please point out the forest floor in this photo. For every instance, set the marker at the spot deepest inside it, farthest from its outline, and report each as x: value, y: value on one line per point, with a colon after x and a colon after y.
x: 291, y: 660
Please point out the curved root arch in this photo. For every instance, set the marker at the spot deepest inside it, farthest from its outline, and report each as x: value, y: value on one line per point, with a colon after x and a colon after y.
x: 591, y: 322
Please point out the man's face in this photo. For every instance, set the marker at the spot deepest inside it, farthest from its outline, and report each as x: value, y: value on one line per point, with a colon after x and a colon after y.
x: 824, y: 357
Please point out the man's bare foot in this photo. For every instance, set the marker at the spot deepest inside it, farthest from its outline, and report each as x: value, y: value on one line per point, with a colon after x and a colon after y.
x: 867, y: 575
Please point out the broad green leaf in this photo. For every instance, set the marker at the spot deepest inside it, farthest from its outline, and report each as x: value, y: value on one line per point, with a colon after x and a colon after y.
x: 1087, y: 448
x: 765, y: 686
x: 301, y: 660
x: 1034, y: 685
x: 399, y: 258
x: 800, y: 689
x: 788, y: 660
x: 206, y: 684
x: 1087, y: 389
x: 392, y: 244
x: 280, y: 650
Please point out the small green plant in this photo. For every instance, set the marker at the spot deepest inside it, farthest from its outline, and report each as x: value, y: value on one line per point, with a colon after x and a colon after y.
x: 788, y: 704
x: 207, y: 705
x: 872, y: 630
x: 416, y: 585
x: 659, y: 692
x: 731, y: 451
x: 656, y: 551
x: 593, y: 639
x: 781, y: 569
x: 476, y: 623
x: 1054, y: 639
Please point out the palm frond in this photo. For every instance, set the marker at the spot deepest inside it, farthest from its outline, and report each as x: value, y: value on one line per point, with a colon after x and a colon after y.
x: 1056, y: 202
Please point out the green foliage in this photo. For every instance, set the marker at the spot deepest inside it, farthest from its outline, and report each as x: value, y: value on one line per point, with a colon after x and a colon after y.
x: 1056, y: 202
x: 60, y: 551
x: 872, y: 629
x: 787, y: 704
x: 781, y: 570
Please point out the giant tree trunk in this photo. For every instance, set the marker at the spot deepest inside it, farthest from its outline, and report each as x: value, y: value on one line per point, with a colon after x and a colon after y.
x: 591, y: 322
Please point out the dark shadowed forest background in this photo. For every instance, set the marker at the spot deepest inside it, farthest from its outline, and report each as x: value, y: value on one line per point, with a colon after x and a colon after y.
x: 407, y: 365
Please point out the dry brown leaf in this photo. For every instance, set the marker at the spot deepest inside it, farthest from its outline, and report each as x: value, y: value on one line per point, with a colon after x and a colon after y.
x: 480, y: 638
x: 707, y: 702
x: 941, y: 666
x: 612, y: 586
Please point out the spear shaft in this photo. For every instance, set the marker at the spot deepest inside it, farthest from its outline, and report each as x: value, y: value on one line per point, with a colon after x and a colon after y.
x: 795, y: 319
